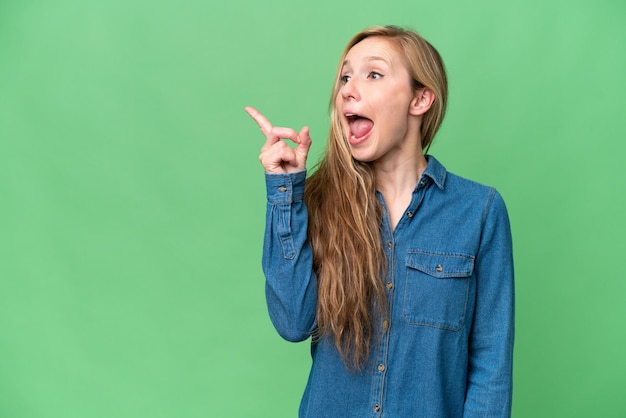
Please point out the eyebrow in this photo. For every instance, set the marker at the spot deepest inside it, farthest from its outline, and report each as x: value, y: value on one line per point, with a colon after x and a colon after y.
x: 370, y: 58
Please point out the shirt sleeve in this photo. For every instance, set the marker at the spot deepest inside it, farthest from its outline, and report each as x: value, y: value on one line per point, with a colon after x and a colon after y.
x: 291, y: 284
x: 489, y: 390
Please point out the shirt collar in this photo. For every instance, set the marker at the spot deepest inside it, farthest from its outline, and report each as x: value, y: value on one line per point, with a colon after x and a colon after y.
x: 435, y: 171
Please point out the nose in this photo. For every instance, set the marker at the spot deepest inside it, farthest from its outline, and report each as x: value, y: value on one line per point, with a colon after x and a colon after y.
x: 350, y: 90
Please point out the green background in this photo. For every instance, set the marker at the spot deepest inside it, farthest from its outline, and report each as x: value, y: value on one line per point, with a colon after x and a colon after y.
x: 132, y: 202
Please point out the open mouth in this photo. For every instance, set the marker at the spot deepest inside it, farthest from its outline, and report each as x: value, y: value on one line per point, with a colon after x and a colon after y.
x: 360, y: 127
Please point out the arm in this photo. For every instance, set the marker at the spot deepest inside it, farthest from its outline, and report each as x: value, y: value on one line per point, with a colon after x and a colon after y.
x: 291, y: 285
x: 489, y: 389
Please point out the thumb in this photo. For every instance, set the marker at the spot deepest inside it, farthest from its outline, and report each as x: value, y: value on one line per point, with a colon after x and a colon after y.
x: 304, y: 144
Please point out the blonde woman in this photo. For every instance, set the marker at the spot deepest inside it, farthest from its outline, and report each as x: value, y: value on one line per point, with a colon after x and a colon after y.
x: 400, y: 271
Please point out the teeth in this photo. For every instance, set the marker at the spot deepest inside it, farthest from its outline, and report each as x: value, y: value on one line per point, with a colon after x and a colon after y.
x: 353, y: 137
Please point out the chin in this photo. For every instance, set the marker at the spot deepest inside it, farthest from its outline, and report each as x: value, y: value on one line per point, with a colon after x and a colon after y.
x: 362, y: 157
x: 365, y: 151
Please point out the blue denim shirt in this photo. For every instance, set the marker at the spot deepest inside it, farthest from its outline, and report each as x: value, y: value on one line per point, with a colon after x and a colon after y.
x: 447, y: 350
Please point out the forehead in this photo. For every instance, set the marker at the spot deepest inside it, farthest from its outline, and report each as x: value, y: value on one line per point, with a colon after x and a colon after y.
x: 375, y: 47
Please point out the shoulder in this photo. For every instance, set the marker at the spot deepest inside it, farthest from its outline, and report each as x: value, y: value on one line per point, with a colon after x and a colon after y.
x: 462, y: 184
x: 465, y: 191
x: 450, y: 182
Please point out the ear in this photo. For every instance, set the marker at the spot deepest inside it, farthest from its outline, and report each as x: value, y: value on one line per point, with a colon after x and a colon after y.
x: 422, y: 101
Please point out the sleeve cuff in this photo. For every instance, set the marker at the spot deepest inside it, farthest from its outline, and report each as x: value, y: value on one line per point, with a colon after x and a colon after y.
x: 285, y: 188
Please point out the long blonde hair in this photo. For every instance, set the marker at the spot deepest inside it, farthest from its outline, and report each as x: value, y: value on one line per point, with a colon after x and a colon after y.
x: 345, y: 214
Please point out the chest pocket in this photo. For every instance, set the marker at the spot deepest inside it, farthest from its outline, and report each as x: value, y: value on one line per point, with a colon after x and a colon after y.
x: 436, y: 289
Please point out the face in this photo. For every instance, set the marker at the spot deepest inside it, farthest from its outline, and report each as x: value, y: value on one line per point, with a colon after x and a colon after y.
x: 376, y: 104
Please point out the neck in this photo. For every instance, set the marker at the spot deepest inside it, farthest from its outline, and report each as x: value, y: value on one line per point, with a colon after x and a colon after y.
x: 400, y: 177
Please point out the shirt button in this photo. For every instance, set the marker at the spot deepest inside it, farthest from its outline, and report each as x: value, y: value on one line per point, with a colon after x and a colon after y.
x: 439, y: 268
x: 381, y: 367
x: 390, y: 245
x: 389, y: 285
x: 376, y: 408
x: 385, y: 324
x: 409, y: 214
x: 423, y: 182
x: 283, y: 188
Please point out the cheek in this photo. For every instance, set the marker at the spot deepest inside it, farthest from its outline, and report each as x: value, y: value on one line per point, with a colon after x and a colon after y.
x: 392, y: 108
x: 396, y: 105
x: 394, y: 120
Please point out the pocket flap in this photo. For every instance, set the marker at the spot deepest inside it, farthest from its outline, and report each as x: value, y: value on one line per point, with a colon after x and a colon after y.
x: 441, y: 265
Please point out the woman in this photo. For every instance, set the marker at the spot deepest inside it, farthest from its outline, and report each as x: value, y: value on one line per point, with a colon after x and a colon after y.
x: 400, y: 271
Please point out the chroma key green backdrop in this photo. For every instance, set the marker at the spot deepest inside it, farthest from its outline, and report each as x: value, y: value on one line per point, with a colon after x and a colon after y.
x: 132, y: 202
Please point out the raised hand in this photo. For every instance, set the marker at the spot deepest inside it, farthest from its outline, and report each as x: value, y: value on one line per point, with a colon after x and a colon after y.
x: 276, y: 156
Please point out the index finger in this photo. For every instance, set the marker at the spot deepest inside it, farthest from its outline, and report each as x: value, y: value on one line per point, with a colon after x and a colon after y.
x: 261, y: 120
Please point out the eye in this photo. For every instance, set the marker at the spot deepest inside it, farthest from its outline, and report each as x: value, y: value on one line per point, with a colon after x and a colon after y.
x: 344, y: 79
x: 374, y: 75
